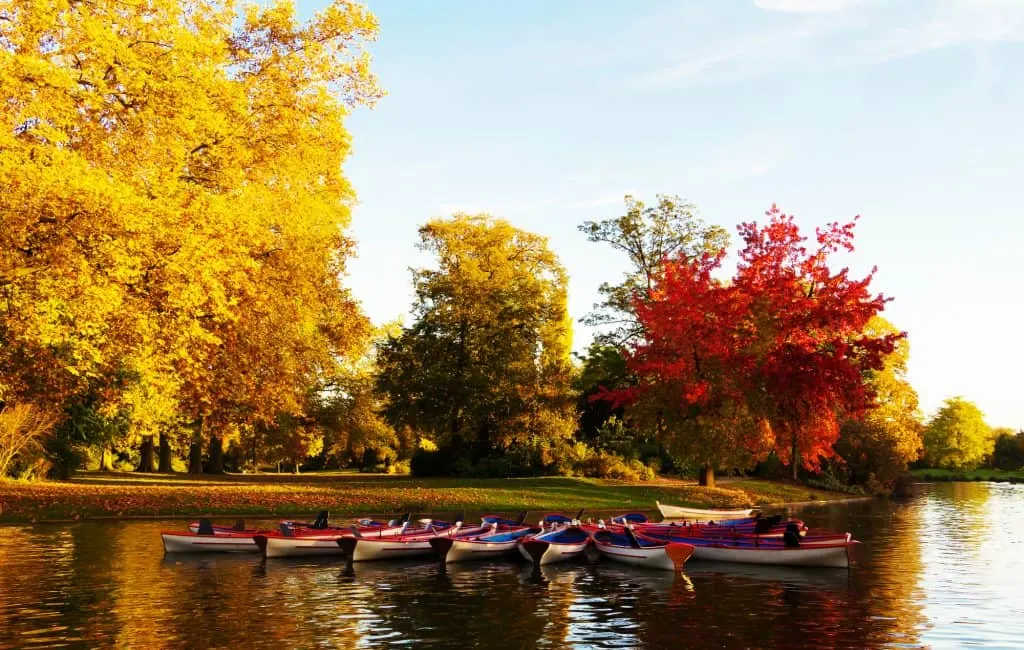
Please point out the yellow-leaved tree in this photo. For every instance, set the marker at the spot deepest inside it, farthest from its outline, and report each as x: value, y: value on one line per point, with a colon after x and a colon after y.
x: 485, y: 366
x: 174, y: 205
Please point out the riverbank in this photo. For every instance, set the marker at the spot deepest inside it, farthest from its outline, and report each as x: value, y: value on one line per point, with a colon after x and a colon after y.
x: 995, y: 475
x: 98, y: 495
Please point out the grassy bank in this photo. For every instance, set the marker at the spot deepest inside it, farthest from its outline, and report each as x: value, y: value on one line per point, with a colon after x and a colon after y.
x: 100, y: 495
x: 997, y: 475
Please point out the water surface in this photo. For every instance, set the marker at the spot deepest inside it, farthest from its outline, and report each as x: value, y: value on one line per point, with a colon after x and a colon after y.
x: 945, y: 569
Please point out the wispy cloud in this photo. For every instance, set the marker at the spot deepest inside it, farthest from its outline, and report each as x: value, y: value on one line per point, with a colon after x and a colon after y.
x: 952, y: 22
x: 820, y: 35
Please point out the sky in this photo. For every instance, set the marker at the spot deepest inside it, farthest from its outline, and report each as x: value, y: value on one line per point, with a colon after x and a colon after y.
x: 907, y: 113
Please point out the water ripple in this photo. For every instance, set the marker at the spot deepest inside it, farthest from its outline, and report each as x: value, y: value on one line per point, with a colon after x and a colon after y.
x: 941, y: 571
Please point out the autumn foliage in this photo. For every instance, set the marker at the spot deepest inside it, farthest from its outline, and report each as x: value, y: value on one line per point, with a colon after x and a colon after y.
x: 769, y: 360
x: 174, y: 206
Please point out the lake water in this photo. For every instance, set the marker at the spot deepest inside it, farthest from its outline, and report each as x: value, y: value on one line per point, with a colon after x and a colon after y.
x: 945, y: 569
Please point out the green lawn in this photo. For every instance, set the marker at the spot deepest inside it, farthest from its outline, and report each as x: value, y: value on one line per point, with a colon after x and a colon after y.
x: 96, y: 495
x: 997, y: 475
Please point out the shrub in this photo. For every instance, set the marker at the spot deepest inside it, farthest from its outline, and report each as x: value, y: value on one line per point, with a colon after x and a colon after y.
x: 399, y: 467
x: 605, y: 465
x: 65, y: 457
x: 24, y: 430
x: 829, y: 482
x: 1009, y: 451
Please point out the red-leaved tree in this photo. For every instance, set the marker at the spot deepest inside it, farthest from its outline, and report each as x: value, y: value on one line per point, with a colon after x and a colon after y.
x: 771, y: 359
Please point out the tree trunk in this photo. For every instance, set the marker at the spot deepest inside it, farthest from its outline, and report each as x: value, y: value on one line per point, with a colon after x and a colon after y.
x: 146, y: 464
x: 195, y: 449
x: 706, y: 477
x: 165, y: 454
x: 216, y: 455
x: 106, y: 464
x: 794, y: 459
x: 195, y: 458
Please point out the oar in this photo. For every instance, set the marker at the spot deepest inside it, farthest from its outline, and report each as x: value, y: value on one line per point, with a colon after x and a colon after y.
x: 579, y: 514
x: 522, y: 518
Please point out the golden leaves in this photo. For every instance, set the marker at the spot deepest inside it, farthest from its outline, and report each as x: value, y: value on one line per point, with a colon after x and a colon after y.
x: 174, y: 200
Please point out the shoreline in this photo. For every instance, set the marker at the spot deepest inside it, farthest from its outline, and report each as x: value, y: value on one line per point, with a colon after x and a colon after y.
x: 94, y: 496
x: 312, y: 515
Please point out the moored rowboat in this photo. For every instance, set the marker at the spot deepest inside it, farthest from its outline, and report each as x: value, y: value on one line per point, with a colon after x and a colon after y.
x: 823, y: 555
x: 700, y: 514
x: 480, y: 547
x: 819, y: 551
x: 555, y: 546
x: 641, y: 551
x: 189, y: 542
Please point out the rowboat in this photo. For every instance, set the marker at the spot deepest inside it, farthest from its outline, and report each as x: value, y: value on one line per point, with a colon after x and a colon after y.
x: 206, y: 540
x: 362, y: 549
x: 700, y: 514
x: 555, y: 546
x: 641, y: 551
x: 189, y: 542
x: 480, y: 547
x: 824, y: 551
x: 823, y: 555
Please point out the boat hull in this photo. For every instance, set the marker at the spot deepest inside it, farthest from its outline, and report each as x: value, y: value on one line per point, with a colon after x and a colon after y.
x: 367, y: 550
x: 194, y: 543
x: 541, y: 552
x: 670, y: 557
x: 825, y: 555
x: 468, y: 550
x: 280, y: 546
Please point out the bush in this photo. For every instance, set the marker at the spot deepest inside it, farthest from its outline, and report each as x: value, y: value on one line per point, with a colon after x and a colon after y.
x: 578, y: 459
x: 1009, y: 451
x: 399, y: 467
x: 24, y: 431
x: 65, y: 457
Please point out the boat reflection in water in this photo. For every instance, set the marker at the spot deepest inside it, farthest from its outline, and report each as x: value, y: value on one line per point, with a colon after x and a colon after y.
x: 800, y: 577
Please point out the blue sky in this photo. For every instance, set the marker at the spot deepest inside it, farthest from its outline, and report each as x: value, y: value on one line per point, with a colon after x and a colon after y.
x: 908, y: 113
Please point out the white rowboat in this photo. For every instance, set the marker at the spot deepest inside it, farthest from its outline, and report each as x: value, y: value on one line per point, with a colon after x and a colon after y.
x: 555, y: 546
x: 823, y: 555
x: 482, y: 547
x: 700, y: 515
x: 642, y: 552
x: 196, y: 543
